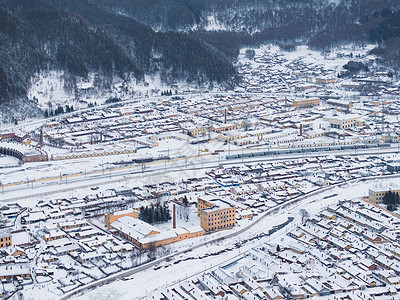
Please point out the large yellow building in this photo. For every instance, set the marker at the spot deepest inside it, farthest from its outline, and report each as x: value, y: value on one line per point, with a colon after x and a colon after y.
x: 306, y: 102
x: 345, y: 121
x: 145, y: 235
x: 215, y: 214
x: 194, y: 131
x: 5, y: 238
x: 340, y: 105
x: 229, y: 136
x: 112, y: 217
x: 325, y: 80
x: 376, y: 196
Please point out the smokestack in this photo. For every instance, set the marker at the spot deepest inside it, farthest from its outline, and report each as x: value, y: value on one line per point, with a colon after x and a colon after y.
x: 301, y: 129
x: 173, y: 217
x: 225, y: 115
x: 41, y: 136
x: 285, y: 100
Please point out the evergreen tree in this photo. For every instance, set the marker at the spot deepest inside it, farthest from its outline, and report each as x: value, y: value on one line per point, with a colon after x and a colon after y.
x: 391, y: 200
x: 154, y: 214
x: 185, y: 201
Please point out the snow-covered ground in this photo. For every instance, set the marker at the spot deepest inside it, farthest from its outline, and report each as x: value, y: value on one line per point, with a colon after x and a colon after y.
x: 55, y: 88
x: 8, y: 161
x: 78, y: 178
x: 151, y: 281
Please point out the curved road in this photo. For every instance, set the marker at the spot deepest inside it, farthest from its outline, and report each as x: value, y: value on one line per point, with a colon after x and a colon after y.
x: 151, y: 264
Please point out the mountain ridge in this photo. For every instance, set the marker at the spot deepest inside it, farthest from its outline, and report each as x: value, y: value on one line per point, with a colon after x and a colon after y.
x: 84, y: 40
x: 191, y: 40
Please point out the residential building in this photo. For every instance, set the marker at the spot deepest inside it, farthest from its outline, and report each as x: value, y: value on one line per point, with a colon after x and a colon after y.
x: 376, y: 196
x: 325, y: 80
x: 215, y: 214
x: 193, y: 130
x: 345, y: 121
x: 5, y: 238
x: 306, y: 102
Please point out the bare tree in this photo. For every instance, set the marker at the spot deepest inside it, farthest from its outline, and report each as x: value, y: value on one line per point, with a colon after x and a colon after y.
x: 186, y: 209
x: 152, y: 250
x: 304, y: 215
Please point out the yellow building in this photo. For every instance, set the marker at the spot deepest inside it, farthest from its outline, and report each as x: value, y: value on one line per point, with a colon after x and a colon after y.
x: 229, y: 136
x: 391, y: 138
x: 325, y: 80
x: 306, y: 102
x: 215, y: 214
x: 146, y: 236
x: 5, y: 238
x: 15, y: 270
x: 112, y: 217
x: 195, y: 131
x: 223, y: 127
x: 55, y: 235
x: 345, y: 121
x: 71, y: 224
x: 340, y: 105
x: 376, y: 196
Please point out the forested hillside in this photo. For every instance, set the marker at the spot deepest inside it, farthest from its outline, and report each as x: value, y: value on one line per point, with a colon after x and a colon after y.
x: 186, y: 40
x: 38, y: 35
x: 230, y: 24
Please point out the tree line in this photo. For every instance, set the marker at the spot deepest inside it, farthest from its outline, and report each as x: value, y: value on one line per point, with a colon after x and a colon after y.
x: 79, y: 36
x: 154, y: 214
x: 392, y: 200
x: 58, y: 111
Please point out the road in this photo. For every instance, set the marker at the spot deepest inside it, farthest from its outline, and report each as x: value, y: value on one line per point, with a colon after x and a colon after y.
x: 135, y: 270
x: 43, y: 186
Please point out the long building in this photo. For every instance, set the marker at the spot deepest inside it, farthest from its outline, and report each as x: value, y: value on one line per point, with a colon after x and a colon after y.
x: 345, y: 121
x: 306, y: 102
x: 146, y: 236
x: 112, y: 217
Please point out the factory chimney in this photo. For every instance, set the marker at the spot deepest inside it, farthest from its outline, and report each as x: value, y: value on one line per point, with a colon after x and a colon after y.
x: 173, y: 216
x: 225, y: 115
x: 41, y: 137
